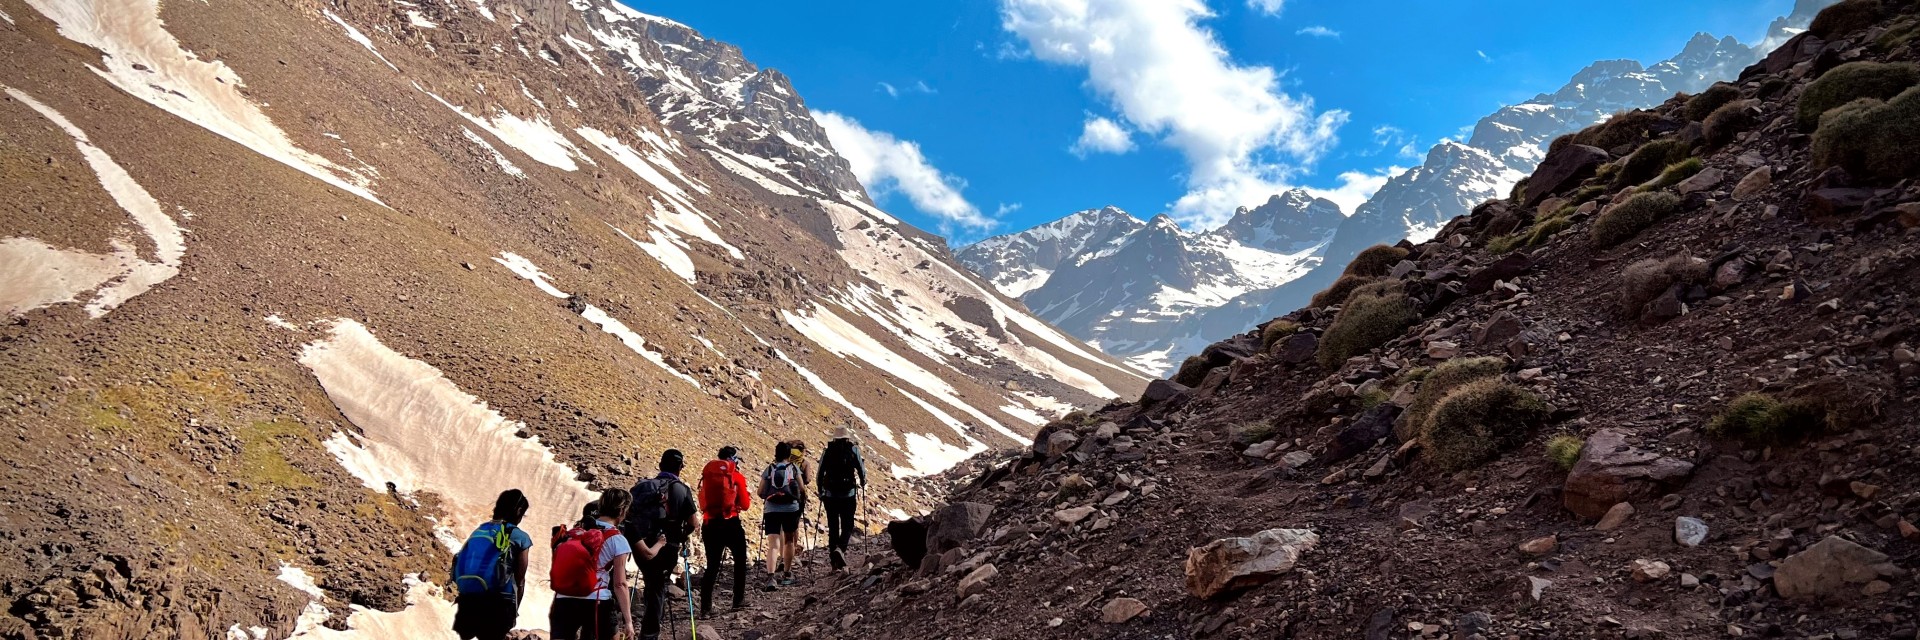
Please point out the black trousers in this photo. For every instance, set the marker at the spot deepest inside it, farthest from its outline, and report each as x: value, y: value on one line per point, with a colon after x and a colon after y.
x: 839, y: 520
x: 720, y: 537
x: 580, y: 619
x: 485, y: 616
x: 657, y: 574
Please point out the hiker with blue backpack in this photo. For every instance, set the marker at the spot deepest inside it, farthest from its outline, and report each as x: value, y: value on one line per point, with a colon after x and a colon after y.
x: 490, y: 572
x: 781, y: 490
x: 589, y: 576
x: 663, y: 507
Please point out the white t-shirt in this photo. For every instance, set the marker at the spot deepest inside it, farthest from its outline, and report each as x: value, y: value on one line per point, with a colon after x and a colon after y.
x: 615, y: 549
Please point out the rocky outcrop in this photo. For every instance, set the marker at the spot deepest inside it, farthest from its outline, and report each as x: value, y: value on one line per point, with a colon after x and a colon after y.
x: 1611, y: 472
x: 1227, y: 564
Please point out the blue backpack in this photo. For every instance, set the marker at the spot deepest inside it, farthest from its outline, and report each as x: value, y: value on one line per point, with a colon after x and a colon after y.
x: 485, y: 564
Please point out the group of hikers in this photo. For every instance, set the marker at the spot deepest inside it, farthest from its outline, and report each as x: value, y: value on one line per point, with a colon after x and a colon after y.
x: 650, y: 525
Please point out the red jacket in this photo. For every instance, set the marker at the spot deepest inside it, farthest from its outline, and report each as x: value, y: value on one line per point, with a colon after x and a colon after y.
x: 715, y: 503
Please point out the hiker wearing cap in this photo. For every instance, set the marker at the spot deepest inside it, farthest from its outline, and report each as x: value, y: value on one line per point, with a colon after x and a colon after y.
x: 842, y: 476
x: 662, y: 506
x: 490, y: 572
x: 723, y: 497
x: 797, y: 455
x: 781, y: 490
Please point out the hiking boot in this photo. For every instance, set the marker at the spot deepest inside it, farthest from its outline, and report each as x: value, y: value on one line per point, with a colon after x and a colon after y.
x: 786, y: 579
x: 839, y: 559
x: 772, y: 585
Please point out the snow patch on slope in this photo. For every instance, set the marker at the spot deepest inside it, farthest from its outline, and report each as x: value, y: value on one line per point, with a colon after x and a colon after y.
x: 145, y: 61
x: 420, y: 432
x: 525, y: 268
x: 38, y: 274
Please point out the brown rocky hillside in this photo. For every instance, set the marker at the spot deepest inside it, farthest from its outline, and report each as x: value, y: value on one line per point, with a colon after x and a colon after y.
x: 293, y: 288
x: 1666, y: 390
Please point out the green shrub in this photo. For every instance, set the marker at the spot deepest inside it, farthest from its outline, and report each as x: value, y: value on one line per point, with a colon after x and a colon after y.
x: 1645, y: 280
x: 1543, y: 230
x: 1623, y: 221
x: 1675, y: 173
x: 1625, y: 128
x: 1372, y: 398
x: 1772, y: 87
x: 1519, y: 191
x: 1276, y: 330
x: 1192, y: 371
x: 1375, y: 261
x: 1700, y: 106
x: 1247, y: 433
x: 1504, y: 244
x: 1849, y: 82
x: 1898, y: 35
x: 1846, y: 17
x: 1583, y: 194
x: 1564, y: 450
x: 1373, y: 314
x: 1338, y: 292
x: 1729, y: 121
x: 1441, y: 380
x: 1649, y: 160
x: 1872, y: 140
x: 1761, y: 419
x: 1478, y: 421
x: 1415, y: 374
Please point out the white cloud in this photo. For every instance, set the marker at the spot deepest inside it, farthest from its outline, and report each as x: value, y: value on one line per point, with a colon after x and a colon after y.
x: 885, y: 164
x: 1389, y: 137
x: 1483, y: 55
x: 1269, y: 7
x: 1356, y: 187
x: 1006, y: 208
x: 889, y: 89
x: 1317, y: 31
x: 921, y: 86
x: 1171, y: 79
x: 1102, y: 135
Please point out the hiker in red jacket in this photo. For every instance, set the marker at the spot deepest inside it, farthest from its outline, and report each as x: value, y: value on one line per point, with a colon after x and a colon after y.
x: 723, y: 497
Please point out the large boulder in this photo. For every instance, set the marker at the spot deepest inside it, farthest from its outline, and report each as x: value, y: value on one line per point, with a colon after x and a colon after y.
x: 1794, y: 51
x: 1296, y: 348
x: 909, y: 540
x: 1230, y: 564
x: 955, y: 524
x: 1359, y: 436
x: 1610, y: 472
x: 1160, y: 391
x: 1563, y: 167
x: 1832, y: 568
x: 1512, y: 266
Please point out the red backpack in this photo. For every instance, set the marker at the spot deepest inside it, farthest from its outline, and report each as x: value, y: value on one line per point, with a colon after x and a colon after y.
x: 576, y: 561
x: 719, y: 495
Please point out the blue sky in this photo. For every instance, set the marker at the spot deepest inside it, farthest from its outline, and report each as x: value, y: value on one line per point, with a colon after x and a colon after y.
x: 1021, y: 111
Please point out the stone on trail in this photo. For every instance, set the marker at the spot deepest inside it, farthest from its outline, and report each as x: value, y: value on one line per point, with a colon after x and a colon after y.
x: 1611, y: 472
x: 1645, y: 571
x: 1234, y: 563
x: 1073, y: 516
x: 1120, y: 610
x: 1616, y: 516
x: 976, y: 582
x: 1540, y: 546
x: 1537, y: 587
x: 1689, y: 531
x: 1832, y: 568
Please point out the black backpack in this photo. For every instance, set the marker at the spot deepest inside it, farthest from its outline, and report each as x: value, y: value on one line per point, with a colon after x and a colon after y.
x: 839, y: 467
x: 650, y: 516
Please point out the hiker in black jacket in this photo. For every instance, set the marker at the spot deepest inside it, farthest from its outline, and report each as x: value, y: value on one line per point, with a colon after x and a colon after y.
x: 842, y: 476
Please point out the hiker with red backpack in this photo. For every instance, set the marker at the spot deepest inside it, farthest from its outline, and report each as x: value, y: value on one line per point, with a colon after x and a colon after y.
x: 723, y: 497
x: 781, y: 489
x: 589, y: 574
x: 490, y: 572
x: 663, y: 507
x: 842, y: 476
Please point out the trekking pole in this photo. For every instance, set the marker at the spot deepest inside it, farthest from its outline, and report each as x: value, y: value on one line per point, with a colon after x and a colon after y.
x: 686, y: 558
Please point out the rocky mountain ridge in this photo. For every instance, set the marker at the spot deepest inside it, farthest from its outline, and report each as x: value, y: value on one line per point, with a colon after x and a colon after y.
x: 1455, y: 175
x: 1124, y: 285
